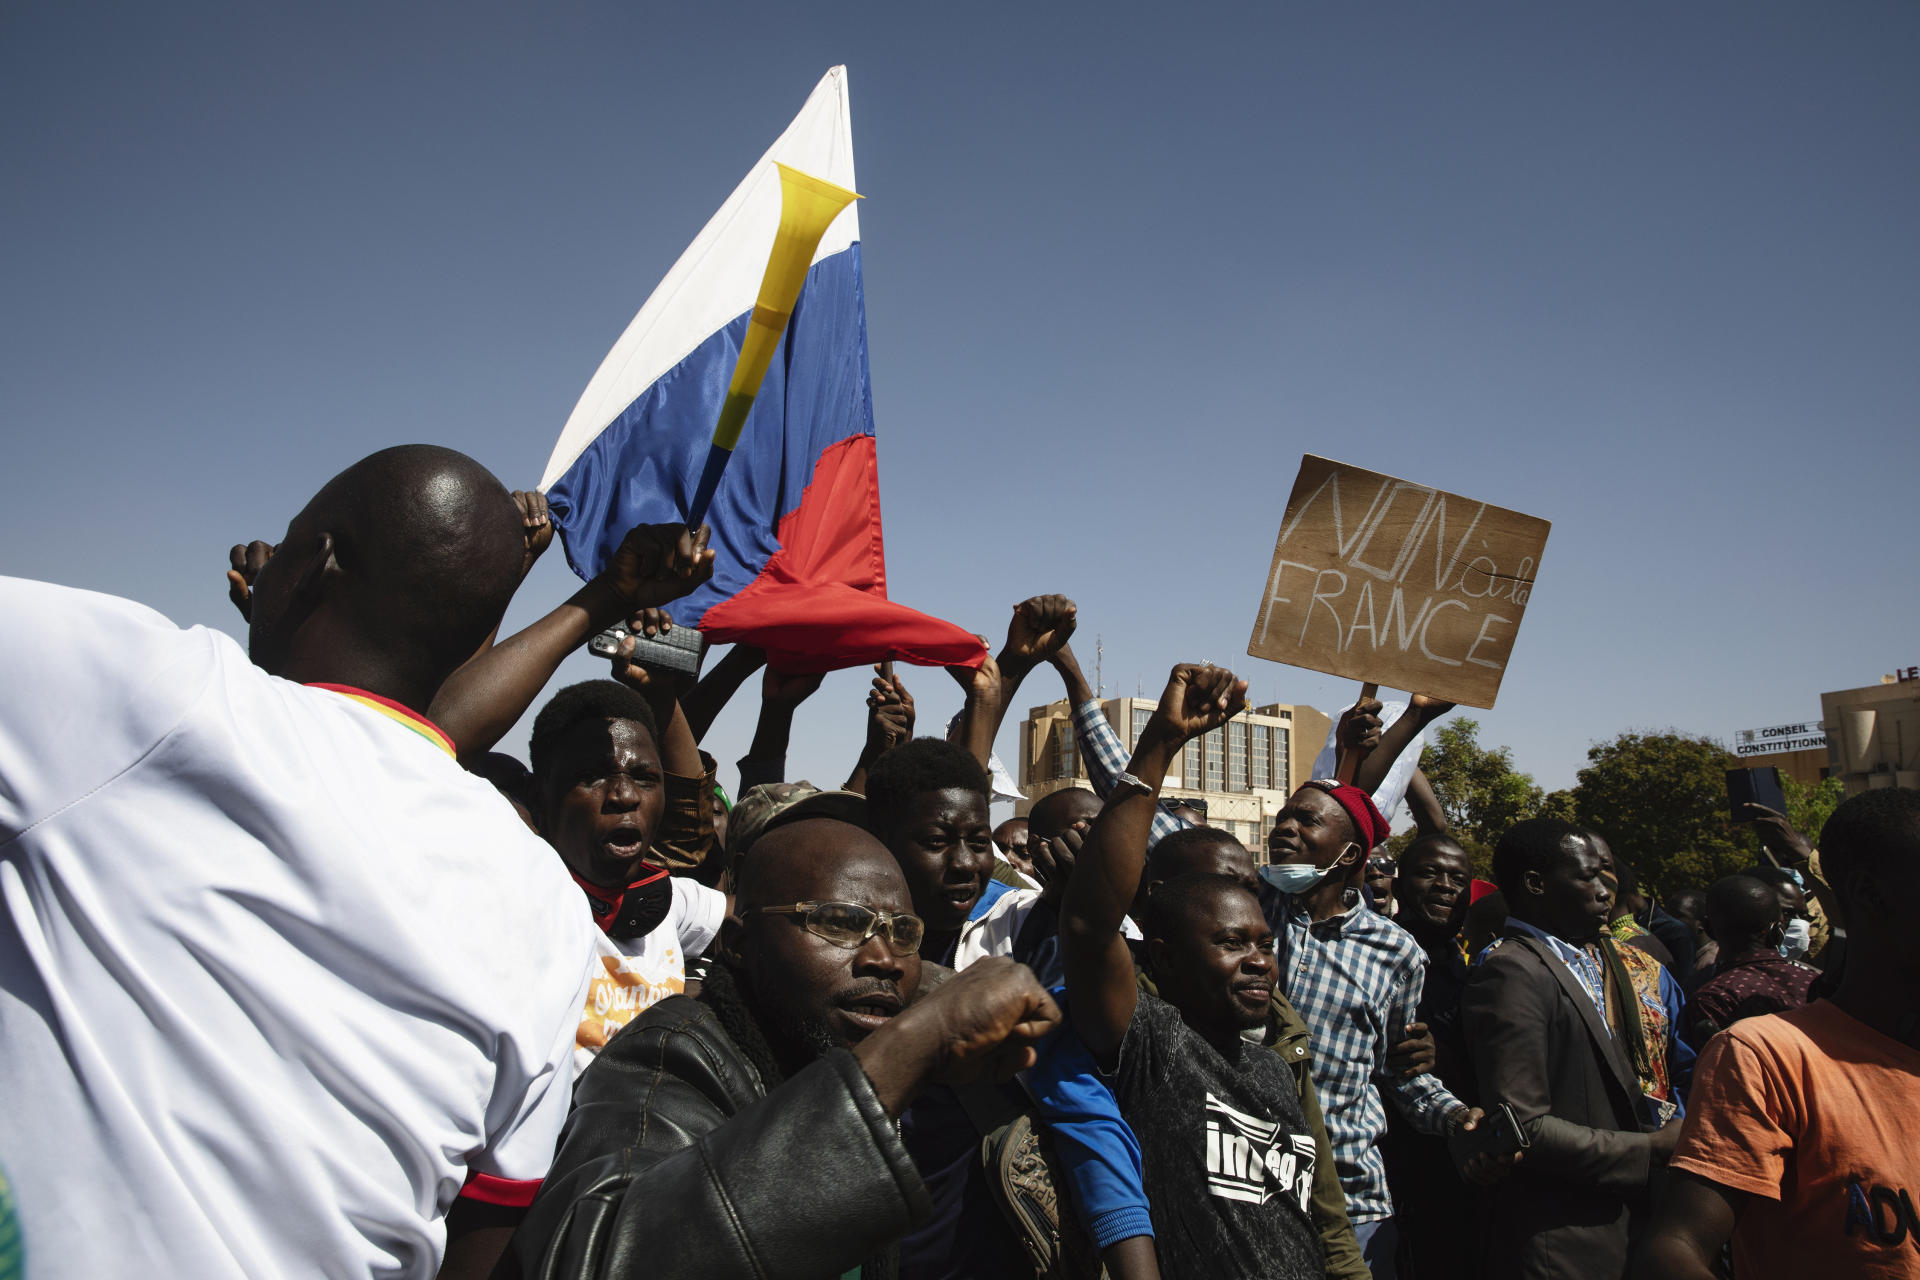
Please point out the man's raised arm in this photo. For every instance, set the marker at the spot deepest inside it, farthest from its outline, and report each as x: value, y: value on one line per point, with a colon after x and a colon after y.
x: 1099, y: 966
x: 655, y: 563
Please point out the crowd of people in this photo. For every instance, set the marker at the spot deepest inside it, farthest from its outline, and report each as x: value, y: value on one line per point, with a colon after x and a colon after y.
x: 299, y: 976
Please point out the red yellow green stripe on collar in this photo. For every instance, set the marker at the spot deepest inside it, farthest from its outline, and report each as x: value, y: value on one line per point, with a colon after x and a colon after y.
x: 396, y: 713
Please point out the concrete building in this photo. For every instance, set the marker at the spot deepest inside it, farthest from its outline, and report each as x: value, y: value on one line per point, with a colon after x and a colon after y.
x: 1808, y: 765
x: 1244, y: 770
x: 1873, y: 734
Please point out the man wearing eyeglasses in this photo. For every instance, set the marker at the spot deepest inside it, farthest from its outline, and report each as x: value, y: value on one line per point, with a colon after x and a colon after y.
x: 751, y: 1130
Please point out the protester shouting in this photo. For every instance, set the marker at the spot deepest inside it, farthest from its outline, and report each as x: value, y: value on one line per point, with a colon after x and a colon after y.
x: 752, y: 1131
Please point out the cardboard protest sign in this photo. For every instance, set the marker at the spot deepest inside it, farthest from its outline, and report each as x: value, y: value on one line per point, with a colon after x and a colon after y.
x: 1383, y: 580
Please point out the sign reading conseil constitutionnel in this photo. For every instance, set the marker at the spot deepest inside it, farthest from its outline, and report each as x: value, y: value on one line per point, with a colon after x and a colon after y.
x: 1401, y: 584
x: 1779, y: 737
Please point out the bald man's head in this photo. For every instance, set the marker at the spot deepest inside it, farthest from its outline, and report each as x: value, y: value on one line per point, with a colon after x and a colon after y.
x: 812, y: 993
x: 397, y: 570
x: 1743, y: 914
x: 1054, y: 812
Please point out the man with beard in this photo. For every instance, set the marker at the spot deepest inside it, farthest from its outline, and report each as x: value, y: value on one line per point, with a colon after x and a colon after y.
x: 1433, y: 1208
x: 1227, y: 1155
x: 751, y: 1131
x: 599, y: 792
x: 1551, y: 1022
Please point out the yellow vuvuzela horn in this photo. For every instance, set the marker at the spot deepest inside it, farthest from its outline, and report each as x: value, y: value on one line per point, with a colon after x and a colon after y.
x: 808, y: 206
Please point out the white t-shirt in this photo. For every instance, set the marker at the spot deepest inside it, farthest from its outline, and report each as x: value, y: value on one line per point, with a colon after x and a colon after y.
x: 634, y: 974
x: 277, y: 976
x: 999, y: 926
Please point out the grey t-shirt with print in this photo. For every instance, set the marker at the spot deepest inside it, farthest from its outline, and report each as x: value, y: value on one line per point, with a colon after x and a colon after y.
x: 1227, y: 1155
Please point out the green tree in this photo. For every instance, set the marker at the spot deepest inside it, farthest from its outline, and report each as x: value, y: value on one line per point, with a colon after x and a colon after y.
x: 1660, y: 799
x: 1478, y: 788
x: 1810, y: 804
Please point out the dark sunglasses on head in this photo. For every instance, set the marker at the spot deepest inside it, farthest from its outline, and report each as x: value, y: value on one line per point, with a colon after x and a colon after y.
x: 1170, y: 804
x: 849, y: 925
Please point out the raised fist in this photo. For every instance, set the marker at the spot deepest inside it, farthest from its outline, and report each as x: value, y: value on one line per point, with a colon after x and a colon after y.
x: 1053, y: 861
x: 889, y: 714
x: 1360, y: 726
x: 246, y: 560
x: 658, y: 563
x: 983, y: 1022
x: 536, y: 524
x: 1040, y: 626
x: 1196, y: 700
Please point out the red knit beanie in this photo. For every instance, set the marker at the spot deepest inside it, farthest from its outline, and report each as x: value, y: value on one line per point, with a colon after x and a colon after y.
x: 1370, y: 827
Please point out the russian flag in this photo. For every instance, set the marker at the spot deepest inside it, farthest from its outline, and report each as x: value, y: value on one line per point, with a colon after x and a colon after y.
x: 799, y: 563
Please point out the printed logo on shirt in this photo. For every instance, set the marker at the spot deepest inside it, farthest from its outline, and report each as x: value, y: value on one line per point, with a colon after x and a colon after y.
x: 1885, y: 1215
x: 623, y: 993
x: 1251, y: 1160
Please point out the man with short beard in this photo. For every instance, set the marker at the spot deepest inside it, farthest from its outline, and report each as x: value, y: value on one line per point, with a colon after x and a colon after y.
x: 751, y: 1131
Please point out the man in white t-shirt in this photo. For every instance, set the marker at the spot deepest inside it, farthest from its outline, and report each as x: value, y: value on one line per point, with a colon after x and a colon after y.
x: 599, y: 791
x: 277, y: 977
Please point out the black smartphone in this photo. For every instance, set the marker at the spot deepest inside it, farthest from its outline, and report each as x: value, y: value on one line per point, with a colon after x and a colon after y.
x: 1754, y: 786
x: 676, y: 651
x: 1498, y: 1134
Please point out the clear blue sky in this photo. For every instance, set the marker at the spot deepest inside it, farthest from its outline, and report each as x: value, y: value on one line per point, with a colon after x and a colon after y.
x: 1648, y: 271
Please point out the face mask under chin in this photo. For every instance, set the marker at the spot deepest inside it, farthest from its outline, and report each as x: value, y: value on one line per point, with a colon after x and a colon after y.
x: 1296, y: 878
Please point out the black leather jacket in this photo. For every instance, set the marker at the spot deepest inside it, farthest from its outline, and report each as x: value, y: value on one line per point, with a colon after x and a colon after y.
x: 677, y: 1162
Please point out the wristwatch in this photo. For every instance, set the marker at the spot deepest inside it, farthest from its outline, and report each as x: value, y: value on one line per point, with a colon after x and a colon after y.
x: 1125, y: 783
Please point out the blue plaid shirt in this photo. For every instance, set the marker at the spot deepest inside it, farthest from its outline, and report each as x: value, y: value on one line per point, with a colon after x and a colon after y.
x: 1357, y: 980
x: 1106, y: 758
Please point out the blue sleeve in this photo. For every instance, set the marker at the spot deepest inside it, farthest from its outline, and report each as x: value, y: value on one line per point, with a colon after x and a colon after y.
x: 1680, y: 1054
x: 1097, y: 1151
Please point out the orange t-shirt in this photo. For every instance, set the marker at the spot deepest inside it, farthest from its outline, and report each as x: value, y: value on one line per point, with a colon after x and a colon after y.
x: 1821, y: 1113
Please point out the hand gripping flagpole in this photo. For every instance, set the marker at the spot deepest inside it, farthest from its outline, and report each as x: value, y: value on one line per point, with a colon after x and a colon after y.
x: 808, y: 206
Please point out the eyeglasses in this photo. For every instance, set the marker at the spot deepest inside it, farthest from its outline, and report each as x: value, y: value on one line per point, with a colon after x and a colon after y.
x: 849, y: 925
x: 1382, y: 865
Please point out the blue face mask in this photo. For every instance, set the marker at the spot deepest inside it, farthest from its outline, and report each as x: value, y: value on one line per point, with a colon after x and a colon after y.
x: 1798, y: 938
x: 1296, y: 878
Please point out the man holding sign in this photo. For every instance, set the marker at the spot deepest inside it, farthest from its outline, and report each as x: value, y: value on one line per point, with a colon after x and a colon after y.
x: 1398, y: 584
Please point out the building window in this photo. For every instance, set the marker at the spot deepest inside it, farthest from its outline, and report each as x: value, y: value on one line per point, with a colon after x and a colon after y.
x: 1190, y: 775
x: 1140, y: 717
x: 1236, y: 755
x: 1282, y: 767
x: 1262, y: 756
x: 1063, y: 761
x: 1215, y: 779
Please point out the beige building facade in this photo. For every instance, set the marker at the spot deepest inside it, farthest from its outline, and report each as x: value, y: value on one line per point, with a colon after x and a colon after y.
x: 1873, y: 734
x: 1244, y: 770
